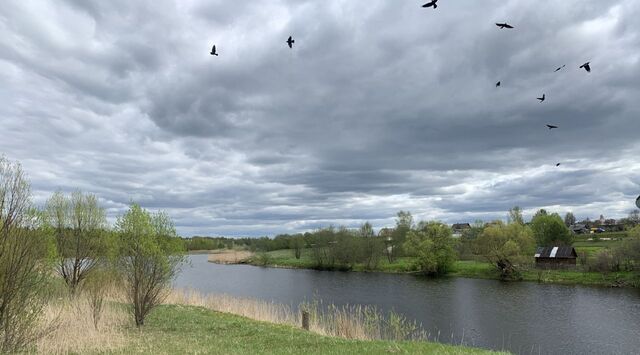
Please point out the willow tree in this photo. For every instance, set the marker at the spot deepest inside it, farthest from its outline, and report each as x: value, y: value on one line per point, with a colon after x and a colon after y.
x: 79, y: 225
x: 23, y: 252
x: 150, y: 255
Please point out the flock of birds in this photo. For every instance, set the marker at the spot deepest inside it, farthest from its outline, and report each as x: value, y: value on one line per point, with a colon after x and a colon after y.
x: 434, y: 4
x: 585, y: 66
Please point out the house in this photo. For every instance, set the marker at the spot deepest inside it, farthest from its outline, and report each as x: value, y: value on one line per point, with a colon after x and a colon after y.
x: 579, y: 228
x: 458, y: 228
x: 555, y: 257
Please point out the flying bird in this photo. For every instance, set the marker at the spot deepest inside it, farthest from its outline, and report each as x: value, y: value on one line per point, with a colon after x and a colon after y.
x: 540, y: 98
x: 431, y: 3
x: 586, y: 67
x: 559, y: 68
x: 504, y: 25
x: 557, y: 164
x: 551, y: 126
x: 290, y: 42
x: 497, y: 84
x: 213, y: 50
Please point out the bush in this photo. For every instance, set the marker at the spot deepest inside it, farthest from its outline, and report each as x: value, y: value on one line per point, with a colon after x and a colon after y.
x: 508, y: 247
x: 150, y: 255
x: 433, y: 247
x: 24, y: 252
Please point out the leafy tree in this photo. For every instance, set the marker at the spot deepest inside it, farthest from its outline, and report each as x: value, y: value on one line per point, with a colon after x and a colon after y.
x: 550, y: 230
x: 150, y: 255
x: 297, y: 244
x: 372, y: 246
x: 433, y: 247
x: 508, y: 247
x: 569, y: 219
x: 515, y: 215
x: 404, y: 223
x: 24, y: 254
x: 540, y: 212
x: 79, y: 225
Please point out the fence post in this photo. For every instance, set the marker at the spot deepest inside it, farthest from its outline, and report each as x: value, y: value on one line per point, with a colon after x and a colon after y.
x: 305, y: 320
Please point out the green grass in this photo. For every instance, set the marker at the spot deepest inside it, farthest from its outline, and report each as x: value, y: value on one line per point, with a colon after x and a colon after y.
x: 194, y: 330
x: 479, y: 269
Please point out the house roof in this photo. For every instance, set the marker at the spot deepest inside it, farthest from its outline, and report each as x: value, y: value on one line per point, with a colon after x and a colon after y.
x: 556, y: 252
x: 461, y: 226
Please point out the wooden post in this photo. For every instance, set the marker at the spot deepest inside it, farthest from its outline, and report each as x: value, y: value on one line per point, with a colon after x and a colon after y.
x: 305, y: 320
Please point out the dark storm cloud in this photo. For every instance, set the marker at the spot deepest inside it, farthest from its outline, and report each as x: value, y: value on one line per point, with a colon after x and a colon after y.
x: 379, y: 106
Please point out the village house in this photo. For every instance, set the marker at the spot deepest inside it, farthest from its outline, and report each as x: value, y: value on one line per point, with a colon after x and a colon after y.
x: 555, y: 257
x: 458, y: 228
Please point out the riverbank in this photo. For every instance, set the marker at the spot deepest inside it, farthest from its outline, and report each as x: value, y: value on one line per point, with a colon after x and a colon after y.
x: 462, y: 268
x: 177, y: 329
x: 196, y: 327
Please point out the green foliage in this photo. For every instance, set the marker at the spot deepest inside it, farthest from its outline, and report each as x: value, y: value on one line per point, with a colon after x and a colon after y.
x: 550, y: 230
x: 24, y: 251
x: 507, y: 247
x: 296, y: 243
x: 150, y: 254
x: 515, y: 215
x: 569, y: 219
x: 433, y: 247
x: 79, y: 225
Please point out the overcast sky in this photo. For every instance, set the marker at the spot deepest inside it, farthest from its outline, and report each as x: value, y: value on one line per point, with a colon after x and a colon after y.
x: 380, y: 106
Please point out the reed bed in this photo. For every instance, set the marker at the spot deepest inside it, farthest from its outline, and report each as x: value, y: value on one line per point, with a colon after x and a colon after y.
x: 229, y: 256
x: 350, y: 321
x: 70, y: 327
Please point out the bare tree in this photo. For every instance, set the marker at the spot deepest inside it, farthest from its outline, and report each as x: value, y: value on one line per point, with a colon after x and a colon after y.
x: 22, y: 270
x: 80, y: 224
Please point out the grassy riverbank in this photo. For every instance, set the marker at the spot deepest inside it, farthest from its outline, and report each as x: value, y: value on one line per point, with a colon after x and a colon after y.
x: 196, y: 325
x: 180, y: 329
x: 463, y: 268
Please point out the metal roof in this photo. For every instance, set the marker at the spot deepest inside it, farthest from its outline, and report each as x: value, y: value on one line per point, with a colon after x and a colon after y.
x: 556, y: 252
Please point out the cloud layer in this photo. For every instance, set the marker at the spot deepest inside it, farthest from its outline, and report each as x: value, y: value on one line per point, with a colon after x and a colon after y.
x: 380, y: 106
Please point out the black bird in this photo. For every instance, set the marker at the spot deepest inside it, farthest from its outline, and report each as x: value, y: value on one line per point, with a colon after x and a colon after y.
x: 551, y: 126
x: 431, y: 3
x: 497, y: 84
x: 213, y: 50
x: 559, y: 68
x: 290, y: 42
x: 540, y: 98
x: 504, y: 25
x: 586, y: 67
x: 557, y: 164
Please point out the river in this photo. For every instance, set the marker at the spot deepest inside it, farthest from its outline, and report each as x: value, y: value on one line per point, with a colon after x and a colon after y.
x: 522, y: 317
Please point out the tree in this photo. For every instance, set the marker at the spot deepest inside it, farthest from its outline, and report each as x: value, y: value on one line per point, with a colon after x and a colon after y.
x: 24, y: 252
x: 404, y: 223
x: 297, y: 243
x: 79, y: 225
x: 508, y: 247
x: 371, y: 246
x: 549, y: 230
x: 569, y: 219
x: 433, y: 247
x: 515, y: 215
x: 150, y: 255
x: 540, y: 212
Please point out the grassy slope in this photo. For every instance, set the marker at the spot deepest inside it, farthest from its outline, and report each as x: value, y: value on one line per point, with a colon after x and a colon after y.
x: 184, y: 329
x: 472, y: 269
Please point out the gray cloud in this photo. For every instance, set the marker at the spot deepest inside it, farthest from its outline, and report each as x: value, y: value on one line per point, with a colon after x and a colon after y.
x: 379, y: 107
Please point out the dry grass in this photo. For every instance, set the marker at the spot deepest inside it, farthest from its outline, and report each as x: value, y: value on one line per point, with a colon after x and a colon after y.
x: 73, y: 329
x: 350, y: 322
x: 229, y: 256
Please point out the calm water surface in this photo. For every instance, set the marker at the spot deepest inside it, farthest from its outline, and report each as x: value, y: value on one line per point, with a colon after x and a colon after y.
x: 523, y: 317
